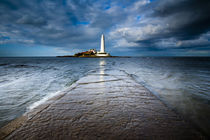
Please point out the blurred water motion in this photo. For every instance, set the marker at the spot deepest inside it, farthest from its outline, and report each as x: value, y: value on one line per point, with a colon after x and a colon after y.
x: 182, y: 83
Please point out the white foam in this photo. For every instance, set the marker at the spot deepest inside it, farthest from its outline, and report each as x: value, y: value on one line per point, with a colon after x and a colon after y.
x: 44, y: 100
x: 47, y: 98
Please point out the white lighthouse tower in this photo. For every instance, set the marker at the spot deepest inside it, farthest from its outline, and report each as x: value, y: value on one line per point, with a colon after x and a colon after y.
x: 102, y: 51
x: 102, y: 44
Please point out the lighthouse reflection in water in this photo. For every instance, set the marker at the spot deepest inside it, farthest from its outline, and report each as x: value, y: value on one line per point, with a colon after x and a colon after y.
x: 102, y: 64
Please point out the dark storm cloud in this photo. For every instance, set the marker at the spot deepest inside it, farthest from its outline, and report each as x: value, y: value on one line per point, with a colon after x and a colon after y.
x: 32, y: 20
x: 187, y: 19
x: 168, y: 25
x: 66, y: 23
x: 38, y: 14
x: 149, y: 25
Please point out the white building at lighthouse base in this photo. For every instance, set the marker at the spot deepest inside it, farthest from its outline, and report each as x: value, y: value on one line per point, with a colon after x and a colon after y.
x: 102, y: 54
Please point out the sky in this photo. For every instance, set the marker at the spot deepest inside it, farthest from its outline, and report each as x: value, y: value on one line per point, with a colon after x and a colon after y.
x: 131, y: 27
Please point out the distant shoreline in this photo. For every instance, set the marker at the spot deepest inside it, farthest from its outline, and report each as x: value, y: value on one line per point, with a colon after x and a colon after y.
x: 111, y: 56
x: 93, y: 56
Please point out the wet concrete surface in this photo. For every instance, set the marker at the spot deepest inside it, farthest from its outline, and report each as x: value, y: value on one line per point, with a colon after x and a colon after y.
x: 107, y: 104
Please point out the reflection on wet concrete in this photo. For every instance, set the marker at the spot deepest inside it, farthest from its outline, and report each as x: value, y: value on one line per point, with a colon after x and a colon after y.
x: 102, y: 63
x: 107, y: 104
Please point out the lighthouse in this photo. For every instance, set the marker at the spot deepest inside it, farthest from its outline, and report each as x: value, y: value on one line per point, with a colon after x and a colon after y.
x: 102, y: 51
x: 102, y: 44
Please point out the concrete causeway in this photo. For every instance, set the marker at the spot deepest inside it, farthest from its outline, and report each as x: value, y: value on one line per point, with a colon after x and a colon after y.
x: 107, y: 104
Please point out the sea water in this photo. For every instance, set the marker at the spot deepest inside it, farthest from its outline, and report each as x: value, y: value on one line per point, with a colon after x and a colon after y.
x: 182, y: 83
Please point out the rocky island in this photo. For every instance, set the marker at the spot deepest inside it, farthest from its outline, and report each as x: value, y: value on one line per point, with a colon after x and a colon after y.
x: 92, y: 52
